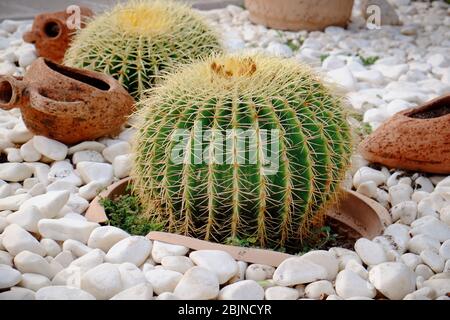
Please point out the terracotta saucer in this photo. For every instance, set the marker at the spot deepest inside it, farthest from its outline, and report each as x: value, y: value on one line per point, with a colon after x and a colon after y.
x: 360, y: 216
x: 415, y: 139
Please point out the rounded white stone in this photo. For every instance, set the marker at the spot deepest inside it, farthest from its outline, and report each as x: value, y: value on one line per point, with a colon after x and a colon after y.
x: 87, y: 155
x: 242, y: 290
x: 27, y: 218
x: 259, y: 272
x: 89, y: 260
x: 94, y: 171
x: 162, y: 249
x: 50, y: 148
x: 103, y: 282
x: 424, y: 271
x: 63, y: 293
x: 29, y: 152
x: 433, y: 228
x: 117, y: 149
x: 15, y: 172
x: 281, y: 293
x: 9, y: 277
x: 122, y: 165
x: 411, y: 260
x: 91, y: 190
x: 393, y: 279
x: 15, y: 239
x: 163, y: 280
x: 64, y: 228
x: 105, y: 237
x: 49, y: 204
x: 87, y: 145
x: 134, y: 249
x: 357, y: 268
x: 365, y: 174
x: 6, y: 258
x: 34, y: 281
x: 422, y: 242
x: 324, y: 259
x: 400, y: 193
x: 319, y: 289
x: 433, y: 260
x: 197, y: 284
x: 294, y: 271
x: 218, y: 262
x: 180, y: 264
x: 405, y: 211
x: 349, y: 284
x: 143, y: 291
x: 76, y: 248
x: 371, y: 253
x: 29, y: 262
x: 444, y: 250
x: 18, y: 293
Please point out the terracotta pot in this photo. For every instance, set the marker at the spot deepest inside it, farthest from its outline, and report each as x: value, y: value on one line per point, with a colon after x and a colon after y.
x: 360, y: 216
x: 415, y: 139
x: 298, y: 15
x: 67, y: 104
x: 51, y: 33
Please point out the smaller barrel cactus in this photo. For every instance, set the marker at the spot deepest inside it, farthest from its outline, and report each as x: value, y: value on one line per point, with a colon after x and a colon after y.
x: 138, y: 41
x: 241, y: 147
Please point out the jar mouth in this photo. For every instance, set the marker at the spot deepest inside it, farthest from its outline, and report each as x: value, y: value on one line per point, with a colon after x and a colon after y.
x: 70, y: 73
x: 435, y: 109
x: 52, y: 29
x: 6, y: 92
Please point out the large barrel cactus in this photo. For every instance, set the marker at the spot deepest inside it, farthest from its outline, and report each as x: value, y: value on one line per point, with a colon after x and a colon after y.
x: 138, y: 41
x: 240, y: 147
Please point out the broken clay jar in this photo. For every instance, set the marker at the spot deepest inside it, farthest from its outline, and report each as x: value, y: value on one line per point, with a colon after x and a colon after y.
x: 52, y: 32
x: 67, y: 104
x: 415, y: 139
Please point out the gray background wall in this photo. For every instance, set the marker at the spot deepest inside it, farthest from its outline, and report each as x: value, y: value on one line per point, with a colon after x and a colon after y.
x: 20, y: 9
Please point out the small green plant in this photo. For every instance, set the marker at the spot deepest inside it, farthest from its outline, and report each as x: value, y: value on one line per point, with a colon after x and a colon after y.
x: 368, y: 61
x: 323, y: 57
x: 293, y: 44
x: 320, y: 238
x: 124, y: 212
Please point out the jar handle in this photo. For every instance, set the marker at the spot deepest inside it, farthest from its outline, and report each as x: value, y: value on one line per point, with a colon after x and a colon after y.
x: 12, y: 92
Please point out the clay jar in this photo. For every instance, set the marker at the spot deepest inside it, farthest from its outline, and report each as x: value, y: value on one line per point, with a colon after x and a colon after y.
x: 52, y: 32
x: 295, y: 15
x: 414, y: 139
x: 67, y: 104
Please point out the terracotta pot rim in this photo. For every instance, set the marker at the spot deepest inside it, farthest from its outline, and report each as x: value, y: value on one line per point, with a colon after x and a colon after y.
x: 379, y: 215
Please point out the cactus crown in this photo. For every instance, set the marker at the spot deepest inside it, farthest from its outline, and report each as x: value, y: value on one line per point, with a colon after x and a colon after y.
x: 216, y: 194
x: 139, y: 41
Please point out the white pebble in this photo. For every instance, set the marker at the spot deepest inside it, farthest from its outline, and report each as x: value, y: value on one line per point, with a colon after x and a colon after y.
x: 50, y: 148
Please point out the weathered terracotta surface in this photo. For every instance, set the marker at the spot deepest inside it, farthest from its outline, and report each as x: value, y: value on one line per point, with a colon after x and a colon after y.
x: 51, y: 33
x: 67, y: 104
x: 298, y: 15
x: 362, y: 217
x: 411, y: 143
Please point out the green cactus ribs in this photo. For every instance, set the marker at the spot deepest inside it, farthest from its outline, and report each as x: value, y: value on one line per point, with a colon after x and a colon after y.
x: 241, y: 147
x: 140, y: 41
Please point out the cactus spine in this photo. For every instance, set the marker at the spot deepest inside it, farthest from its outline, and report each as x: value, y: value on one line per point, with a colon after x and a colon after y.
x: 138, y: 41
x: 216, y: 200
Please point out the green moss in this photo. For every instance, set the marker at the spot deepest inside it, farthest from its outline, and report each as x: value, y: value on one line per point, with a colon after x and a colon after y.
x: 124, y: 212
x: 323, y: 57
